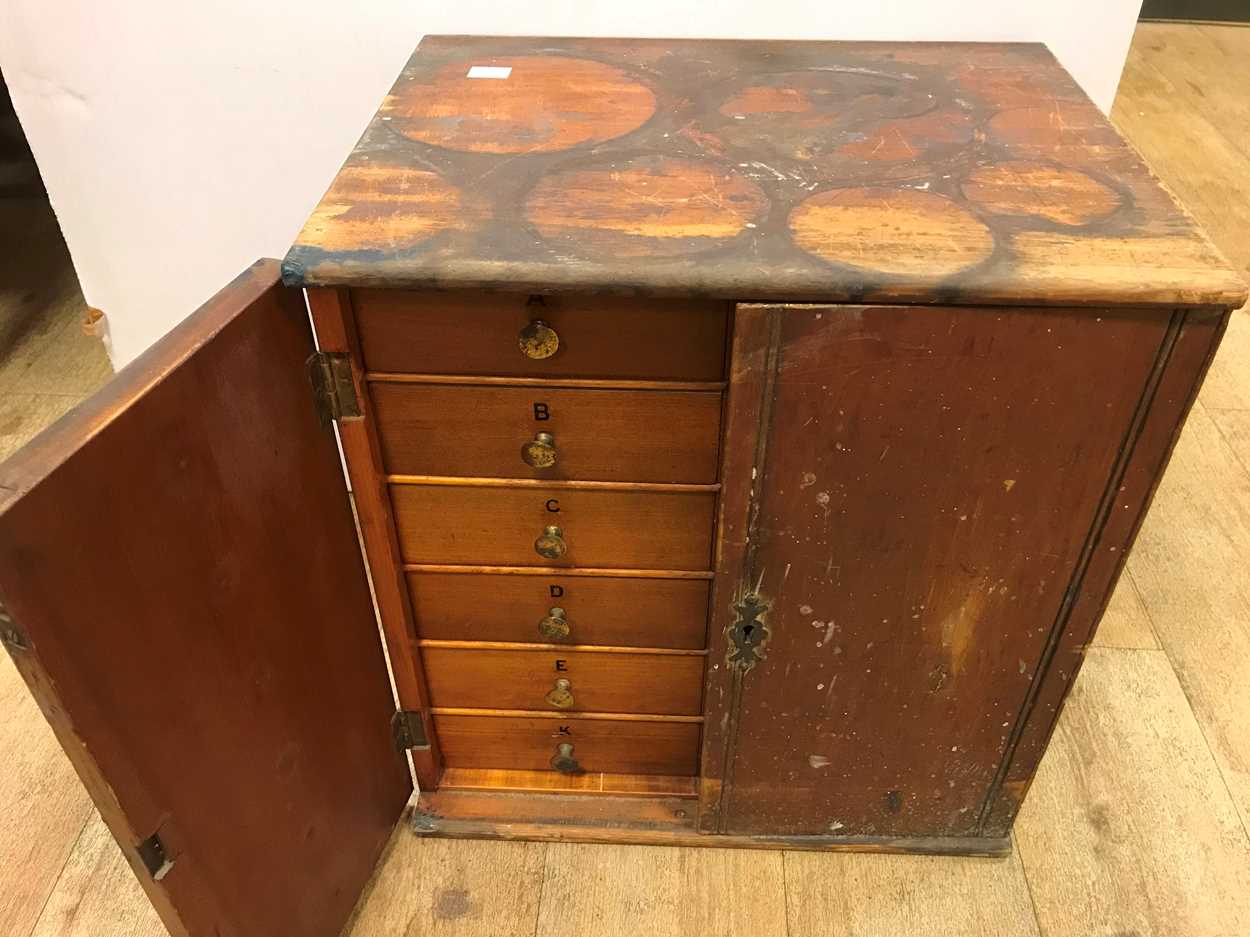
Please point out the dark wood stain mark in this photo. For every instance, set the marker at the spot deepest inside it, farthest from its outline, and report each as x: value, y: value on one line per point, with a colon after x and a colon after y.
x: 605, y: 165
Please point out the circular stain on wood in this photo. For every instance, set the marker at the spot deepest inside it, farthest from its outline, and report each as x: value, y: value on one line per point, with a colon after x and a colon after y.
x: 901, y: 232
x: 650, y: 206
x: 1019, y: 187
x: 909, y: 138
x: 545, y: 103
x: 799, y: 115
x: 382, y: 205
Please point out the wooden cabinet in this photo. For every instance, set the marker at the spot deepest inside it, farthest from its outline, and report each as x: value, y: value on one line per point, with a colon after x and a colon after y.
x: 745, y: 439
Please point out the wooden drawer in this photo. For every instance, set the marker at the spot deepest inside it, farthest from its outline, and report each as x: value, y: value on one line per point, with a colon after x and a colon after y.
x: 524, y: 743
x: 599, y: 435
x: 608, y: 610
x: 600, y: 336
x: 496, y: 525
x: 601, y: 681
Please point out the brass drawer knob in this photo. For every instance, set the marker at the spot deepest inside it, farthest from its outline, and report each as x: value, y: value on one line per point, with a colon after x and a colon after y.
x: 551, y: 544
x: 538, y: 340
x: 561, y: 695
x: 563, y: 760
x: 540, y: 452
x: 555, y: 624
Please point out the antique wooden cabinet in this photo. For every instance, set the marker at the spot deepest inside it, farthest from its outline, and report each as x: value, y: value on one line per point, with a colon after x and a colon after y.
x: 745, y: 439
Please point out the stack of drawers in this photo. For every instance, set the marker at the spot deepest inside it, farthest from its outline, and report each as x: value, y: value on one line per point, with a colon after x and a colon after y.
x: 552, y: 464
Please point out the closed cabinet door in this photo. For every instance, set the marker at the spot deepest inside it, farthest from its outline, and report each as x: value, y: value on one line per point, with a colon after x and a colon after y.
x: 909, y: 494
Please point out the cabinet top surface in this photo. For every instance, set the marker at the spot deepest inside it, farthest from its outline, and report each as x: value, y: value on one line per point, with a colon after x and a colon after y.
x: 803, y: 171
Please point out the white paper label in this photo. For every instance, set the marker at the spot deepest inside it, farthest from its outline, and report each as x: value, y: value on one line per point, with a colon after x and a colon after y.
x: 490, y: 71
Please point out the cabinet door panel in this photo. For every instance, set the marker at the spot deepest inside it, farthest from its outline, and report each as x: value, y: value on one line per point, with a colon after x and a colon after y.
x: 186, y: 600
x: 930, y: 479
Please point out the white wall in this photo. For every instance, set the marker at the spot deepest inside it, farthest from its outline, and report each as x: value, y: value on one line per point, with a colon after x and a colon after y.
x: 180, y: 141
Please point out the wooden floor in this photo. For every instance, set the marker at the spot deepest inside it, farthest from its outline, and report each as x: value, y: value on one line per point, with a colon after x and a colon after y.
x: 1137, y: 824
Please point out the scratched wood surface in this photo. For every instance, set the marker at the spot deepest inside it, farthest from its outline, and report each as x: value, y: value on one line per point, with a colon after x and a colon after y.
x: 201, y: 643
x: 753, y: 170
x: 911, y: 546
x: 1098, y: 840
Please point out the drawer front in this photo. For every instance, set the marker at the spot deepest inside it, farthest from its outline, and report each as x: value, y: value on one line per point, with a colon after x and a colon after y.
x: 598, y: 435
x: 599, y: 337
x: 613, y: 746
x: 608, y: 610
x: 497, y: 526
x: 657, y: 684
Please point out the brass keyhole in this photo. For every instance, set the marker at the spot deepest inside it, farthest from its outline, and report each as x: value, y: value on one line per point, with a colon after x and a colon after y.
x: 538, y: 340
x: 561, y: 695
x: 540, y: 452
x: 554, y: 625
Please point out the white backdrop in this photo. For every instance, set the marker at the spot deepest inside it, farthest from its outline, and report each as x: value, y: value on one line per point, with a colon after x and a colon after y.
x: 181, y: 141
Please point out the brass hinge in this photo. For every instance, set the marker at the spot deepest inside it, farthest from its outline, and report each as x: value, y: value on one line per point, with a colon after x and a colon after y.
x: 11, y: 636
x: 408, y: 730
x: 334, y: 391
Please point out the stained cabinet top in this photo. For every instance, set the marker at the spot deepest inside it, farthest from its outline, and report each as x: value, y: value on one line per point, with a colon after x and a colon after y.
x: 805, y: 171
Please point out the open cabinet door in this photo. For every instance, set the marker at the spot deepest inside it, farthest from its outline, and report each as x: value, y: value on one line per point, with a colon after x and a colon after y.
x: 186, y: 599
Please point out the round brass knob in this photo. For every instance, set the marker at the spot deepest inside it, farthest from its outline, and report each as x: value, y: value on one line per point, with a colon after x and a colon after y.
x: 540, y: 452
x: 551, y: 544
x: 561, y: 695
x: 554, y: 625
x: 538, y: 340
x: 563, y: 760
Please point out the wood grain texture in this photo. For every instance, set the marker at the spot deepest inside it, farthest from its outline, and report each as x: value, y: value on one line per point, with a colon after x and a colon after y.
x: 443, y: 889
x: 604, y: 435
x: 222, y: 609
x: 675, y: 892
x: 517, y: 679
x: 97, y: 889
x: 334, y: 322
x: 1167, y: 398
x: 1201, y: 606
x: 1125, y: 623
x: 498, y: 526
x: 643, y: 821
x: 475, y: 333
x: 1129, y: 756
x: 914, y: 545
x: 43, y: 808
x: 906, y: 896
x: 633, y: 785
x: 768, y: 161
x: 633, y: 612
x: 599, y: 745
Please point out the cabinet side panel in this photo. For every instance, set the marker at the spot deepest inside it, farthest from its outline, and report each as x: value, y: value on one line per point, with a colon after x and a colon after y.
x: 336, y: 332
x: 1177, y: 387
x: 929, y: 483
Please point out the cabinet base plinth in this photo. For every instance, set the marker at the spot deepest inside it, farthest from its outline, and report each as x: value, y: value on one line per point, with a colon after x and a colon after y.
x: 652, y: 821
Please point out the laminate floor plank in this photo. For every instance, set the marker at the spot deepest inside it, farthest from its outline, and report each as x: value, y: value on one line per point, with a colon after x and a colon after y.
x: 1129, y: 828
x: 43, y: 807
x: 452, y: 888
x: 1190, y: 567
x: 1209, y: 70
x: 1234, y: 426
x: 906, y: 896
x: 619, y: 891
x: 1125, y: 623
x: 97, y: 890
